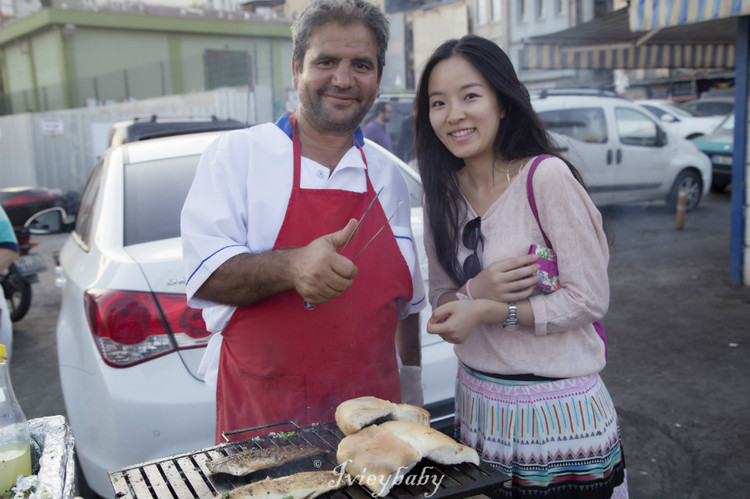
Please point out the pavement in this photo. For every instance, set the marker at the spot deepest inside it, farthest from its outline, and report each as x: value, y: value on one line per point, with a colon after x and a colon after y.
x: 678, y: 361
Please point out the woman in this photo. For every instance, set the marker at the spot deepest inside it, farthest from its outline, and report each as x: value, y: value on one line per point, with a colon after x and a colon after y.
x: 528, y: 396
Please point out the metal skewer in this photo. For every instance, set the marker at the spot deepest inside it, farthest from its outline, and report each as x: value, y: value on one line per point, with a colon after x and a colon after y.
x: 378, y: 232
x: 311, y: 306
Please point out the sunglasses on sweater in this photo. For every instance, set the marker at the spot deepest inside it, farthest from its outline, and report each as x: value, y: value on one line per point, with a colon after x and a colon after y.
x: 471, y: 237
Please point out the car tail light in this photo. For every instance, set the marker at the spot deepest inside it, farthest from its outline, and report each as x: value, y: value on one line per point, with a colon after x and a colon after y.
x: 131, y: 327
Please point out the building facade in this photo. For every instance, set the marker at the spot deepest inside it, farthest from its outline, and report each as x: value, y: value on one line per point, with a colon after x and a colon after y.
x: 59, y: 58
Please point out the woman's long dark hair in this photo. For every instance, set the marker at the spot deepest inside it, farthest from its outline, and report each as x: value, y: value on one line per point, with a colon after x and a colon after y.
x: 521, y: 134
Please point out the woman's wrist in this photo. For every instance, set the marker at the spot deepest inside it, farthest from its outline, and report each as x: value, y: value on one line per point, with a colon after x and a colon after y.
x: 466, y: 293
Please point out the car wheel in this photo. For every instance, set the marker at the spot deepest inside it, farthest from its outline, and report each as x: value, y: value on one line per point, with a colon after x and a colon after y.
x: 691, y: 182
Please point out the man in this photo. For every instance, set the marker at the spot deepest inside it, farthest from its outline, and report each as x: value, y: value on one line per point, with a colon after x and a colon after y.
x: 375, y: 128
x: 8, y: 254
x: 264, y: 228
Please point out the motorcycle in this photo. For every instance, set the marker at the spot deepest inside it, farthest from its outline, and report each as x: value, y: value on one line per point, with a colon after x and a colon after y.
x: 16, y: 281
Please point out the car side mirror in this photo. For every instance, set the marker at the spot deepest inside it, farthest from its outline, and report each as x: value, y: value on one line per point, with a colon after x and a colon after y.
x: 50, y: 221
x: 668, y: 118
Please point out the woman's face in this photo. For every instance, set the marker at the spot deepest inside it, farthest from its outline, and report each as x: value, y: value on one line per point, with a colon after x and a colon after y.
x: 464, y: 111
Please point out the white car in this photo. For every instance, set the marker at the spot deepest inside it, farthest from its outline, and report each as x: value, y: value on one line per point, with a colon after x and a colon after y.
x: 623, y: 154
x: 686, y: 122
x: 128, y: 345
x: 711, y: 105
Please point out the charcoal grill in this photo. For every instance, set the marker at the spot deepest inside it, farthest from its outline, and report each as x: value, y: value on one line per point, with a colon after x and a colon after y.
x: 186, y: 476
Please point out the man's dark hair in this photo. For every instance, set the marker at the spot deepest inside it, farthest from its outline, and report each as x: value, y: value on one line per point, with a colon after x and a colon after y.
x: 380, y: 107
x: 346, y: 13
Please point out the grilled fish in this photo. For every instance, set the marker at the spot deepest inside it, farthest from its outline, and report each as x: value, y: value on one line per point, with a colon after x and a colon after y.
x: 245, y: 462
x: 305, y: 485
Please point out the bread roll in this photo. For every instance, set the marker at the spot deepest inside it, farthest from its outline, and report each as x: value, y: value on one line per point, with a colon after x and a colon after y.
x: 431, y: 443
x: 407, y: 412
x: 354, y: 414
x: 376, y: 458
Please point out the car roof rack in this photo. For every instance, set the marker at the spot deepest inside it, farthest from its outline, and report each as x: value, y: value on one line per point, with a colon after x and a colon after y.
x: 593, y: 92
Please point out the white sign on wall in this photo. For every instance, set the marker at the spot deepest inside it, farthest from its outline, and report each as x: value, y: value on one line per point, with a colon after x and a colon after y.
x: 52, y: 126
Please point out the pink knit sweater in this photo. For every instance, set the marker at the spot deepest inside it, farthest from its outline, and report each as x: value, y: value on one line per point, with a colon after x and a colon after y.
x: 563, y: 342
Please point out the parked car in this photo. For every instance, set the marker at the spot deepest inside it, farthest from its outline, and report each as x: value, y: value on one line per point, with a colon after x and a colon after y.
x: 622, y: 152
x: 22, y: 202
x: 155, y: 126
x: 711, y: 105
x: 684, y: 121
x: 719, y: 146
x: 128, y: 345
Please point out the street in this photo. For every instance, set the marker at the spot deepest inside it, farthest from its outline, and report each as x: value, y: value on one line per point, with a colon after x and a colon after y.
x: 677, y: 367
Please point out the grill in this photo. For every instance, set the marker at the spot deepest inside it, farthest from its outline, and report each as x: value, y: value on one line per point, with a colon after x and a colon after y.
x: 186, y: 476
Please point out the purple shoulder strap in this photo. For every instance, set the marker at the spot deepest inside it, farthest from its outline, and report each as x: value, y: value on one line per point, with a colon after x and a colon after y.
x: 530, y: 194
x: 532, y: 203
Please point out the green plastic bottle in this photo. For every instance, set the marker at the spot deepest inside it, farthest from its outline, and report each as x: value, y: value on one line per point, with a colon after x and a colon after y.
x: 15, y: 451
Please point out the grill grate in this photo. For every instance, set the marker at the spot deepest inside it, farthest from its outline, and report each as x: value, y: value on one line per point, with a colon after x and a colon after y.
x: 186, y: 476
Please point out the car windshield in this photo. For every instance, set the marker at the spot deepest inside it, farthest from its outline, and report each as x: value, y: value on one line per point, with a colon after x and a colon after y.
x: 727, y: 125
x: 683, y: 111
x: 154, y: 194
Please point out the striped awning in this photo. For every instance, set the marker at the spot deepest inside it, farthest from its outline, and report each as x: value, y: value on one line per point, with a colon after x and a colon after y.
x: 646, y: 15
x: 552, y: 56
x: 607, y: 42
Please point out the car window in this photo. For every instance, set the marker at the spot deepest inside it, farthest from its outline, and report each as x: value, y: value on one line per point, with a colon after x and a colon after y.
x: 658, y: 112
x: 728, y: 124
x: 587, y: 124
x: 635, y: 129
x: 154, y: 194
x: 714, y: 108
x: 85, y: 213
x: 683, y: 111
x: 414, y: 185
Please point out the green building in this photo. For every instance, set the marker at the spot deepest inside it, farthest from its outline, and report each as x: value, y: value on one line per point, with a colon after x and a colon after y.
x: 64, y: 58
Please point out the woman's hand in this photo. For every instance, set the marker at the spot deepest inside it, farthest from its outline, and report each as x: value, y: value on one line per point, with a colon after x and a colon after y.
x: 456, y: 320
x: 508, y: 280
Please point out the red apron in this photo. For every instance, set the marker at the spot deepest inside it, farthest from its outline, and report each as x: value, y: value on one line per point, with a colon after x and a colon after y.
x: 280, y: 361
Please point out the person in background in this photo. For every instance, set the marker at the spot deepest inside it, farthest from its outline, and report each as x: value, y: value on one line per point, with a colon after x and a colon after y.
x: 529, y: 397
x: 264, y: 227
x: 8, y: 254
x: 375, y: 128
x: 405, y: 142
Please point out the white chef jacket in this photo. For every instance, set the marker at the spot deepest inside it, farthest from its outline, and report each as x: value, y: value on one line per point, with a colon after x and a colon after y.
x: 238, y: 201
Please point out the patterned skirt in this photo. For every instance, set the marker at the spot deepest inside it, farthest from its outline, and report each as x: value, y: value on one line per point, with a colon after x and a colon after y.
x: 557, y: 439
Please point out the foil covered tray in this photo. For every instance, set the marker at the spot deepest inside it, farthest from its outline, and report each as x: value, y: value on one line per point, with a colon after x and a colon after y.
x: 52, y: 459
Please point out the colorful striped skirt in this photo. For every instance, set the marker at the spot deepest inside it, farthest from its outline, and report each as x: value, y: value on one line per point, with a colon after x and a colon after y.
x: 557, y: 439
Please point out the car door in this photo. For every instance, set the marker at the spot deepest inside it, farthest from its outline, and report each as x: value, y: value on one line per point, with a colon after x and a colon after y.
x: 641, y: 157
x: 583, y: 136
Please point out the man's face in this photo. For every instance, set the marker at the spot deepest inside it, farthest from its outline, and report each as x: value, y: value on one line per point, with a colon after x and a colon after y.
x: 387, y: 113
x: 339, y: 79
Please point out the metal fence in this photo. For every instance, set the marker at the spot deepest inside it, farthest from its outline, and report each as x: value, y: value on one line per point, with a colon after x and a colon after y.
x: 58, y: 149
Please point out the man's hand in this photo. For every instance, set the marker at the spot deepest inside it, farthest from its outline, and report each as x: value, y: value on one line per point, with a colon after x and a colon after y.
x: 320, y: 272
x: 316, y: 271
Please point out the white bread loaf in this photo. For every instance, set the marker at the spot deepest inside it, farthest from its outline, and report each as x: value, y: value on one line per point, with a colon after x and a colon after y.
x: 376, y: 458
x: 354, y: 414
x: 431, y: 443
x: 379, y: 456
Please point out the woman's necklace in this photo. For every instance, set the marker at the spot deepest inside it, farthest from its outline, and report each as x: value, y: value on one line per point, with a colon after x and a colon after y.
x: 508, y: 170
x: 507, y: 175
